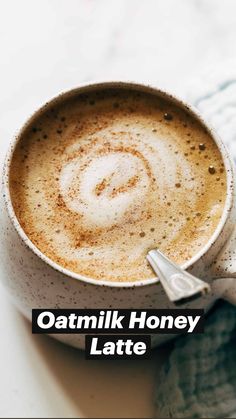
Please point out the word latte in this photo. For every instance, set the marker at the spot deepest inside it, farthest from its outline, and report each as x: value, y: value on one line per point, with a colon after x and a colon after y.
x: 132, y: 328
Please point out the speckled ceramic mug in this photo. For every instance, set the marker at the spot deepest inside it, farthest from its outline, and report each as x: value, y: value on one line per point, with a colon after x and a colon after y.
x: 35, y: 281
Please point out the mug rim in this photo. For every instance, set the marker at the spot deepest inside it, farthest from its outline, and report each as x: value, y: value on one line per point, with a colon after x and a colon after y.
x: 136, y: 86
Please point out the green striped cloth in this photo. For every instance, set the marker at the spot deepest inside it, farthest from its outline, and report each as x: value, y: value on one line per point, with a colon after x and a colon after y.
x: 199, y: 378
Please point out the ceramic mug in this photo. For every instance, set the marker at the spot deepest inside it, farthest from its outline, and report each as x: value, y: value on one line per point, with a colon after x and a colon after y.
x: 35, y: 281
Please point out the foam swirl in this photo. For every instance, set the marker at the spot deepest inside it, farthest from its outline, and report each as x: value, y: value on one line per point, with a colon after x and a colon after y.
x: 122, y: 180
x: 103, y: 188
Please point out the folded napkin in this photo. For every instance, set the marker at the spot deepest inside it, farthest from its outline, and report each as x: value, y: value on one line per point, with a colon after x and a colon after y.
x: 199, y: 378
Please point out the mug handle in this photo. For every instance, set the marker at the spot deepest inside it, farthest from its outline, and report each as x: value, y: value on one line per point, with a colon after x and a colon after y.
x: 224, y: 270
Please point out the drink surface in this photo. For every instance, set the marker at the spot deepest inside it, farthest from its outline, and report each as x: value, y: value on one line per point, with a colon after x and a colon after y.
x: 102, y: 178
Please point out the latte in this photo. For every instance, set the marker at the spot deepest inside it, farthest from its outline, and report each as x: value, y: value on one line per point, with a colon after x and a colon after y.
x: 103, y: 177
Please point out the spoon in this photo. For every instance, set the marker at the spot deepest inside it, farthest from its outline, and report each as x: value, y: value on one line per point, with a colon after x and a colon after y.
x: 179, y: 285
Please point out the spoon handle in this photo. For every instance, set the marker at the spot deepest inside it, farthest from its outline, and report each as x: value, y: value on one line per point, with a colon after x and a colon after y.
x: 179, y: 285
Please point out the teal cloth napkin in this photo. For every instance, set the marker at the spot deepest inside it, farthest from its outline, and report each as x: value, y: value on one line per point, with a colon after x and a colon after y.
x: 199, y: 378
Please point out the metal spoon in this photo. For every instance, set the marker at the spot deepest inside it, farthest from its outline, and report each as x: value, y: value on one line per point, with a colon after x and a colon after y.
x: 179, y: 285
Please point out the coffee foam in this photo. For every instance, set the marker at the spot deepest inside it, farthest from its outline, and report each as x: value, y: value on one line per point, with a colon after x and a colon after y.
x: 104, y: 179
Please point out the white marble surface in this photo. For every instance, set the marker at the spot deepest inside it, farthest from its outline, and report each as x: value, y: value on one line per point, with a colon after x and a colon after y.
x: 47, y: 46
